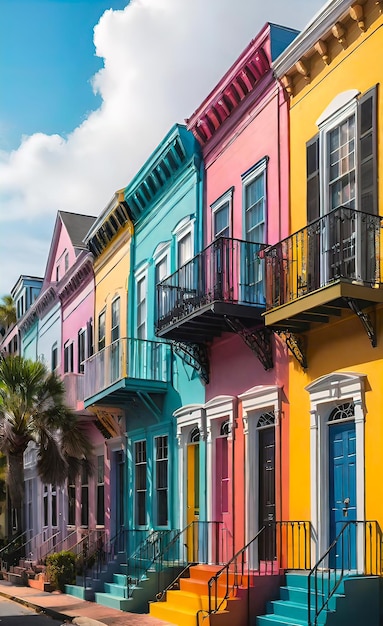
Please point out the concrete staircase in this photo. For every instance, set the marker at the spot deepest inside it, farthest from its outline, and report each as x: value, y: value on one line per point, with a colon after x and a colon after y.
x: 355, y: 602
x: 192, y: 598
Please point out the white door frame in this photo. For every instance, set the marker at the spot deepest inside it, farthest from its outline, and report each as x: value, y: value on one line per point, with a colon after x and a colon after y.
x: 326, y: 393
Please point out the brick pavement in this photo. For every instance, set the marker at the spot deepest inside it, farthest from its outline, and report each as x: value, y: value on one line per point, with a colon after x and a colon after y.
x: 67, y: 608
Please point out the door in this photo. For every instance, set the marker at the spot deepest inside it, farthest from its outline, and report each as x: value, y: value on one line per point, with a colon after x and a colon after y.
x: 267, y: 546
x: 192, y: 500
x: 342, y: 492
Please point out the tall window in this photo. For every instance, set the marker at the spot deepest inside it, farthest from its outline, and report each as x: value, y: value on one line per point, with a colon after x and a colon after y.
x: 184, y: 249
x: 100, y: 520
x: 254, y: 200
x: 54, y: 355
x: 341, y: 164
x: 84, y: 496
x: 71, y: 504
x: 161, y: 447
x: 68, y: 357
x: 140, y: 482
x: 66, y: 261
x: 81, y: 350
x: 342, y: 159
x: 141, y: 307
x: 115, y: 334
x: 54, y: 504
x: 45, y: 505
x: 221, y: 214
x: 162, y: 296
x: 101, y: 331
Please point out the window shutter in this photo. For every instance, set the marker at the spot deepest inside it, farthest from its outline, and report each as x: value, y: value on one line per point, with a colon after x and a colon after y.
x: 368, y: 183
x: 89, y: 337
x: 312, y: 184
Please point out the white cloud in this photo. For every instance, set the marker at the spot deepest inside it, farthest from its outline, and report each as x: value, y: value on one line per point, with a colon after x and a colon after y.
x: 161, y: 59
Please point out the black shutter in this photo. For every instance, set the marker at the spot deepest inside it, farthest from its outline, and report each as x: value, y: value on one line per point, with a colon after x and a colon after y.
x: 368, y: 175
x: 89, y: 337
x: 312, y: 184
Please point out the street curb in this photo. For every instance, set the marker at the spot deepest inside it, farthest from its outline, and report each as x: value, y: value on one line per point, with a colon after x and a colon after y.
x: 39, y: 609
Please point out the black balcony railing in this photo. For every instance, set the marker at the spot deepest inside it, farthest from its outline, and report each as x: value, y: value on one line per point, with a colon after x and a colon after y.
x: 343, y: 245
x: 227, y: 271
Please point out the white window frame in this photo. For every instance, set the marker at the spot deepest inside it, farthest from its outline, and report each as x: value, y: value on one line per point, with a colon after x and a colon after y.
x: 69, y: 345
x: 184, y: 228
x: 139, y: 276
x: 259, y: 169
x: 226, y: 198
x: 342, y: 107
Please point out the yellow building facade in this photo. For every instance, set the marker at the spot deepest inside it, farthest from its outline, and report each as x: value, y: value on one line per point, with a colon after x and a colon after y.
x: 325, y: 281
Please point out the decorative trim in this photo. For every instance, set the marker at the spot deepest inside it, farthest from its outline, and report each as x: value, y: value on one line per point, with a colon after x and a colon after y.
x: 365, y: 320
x: 195, y: 355
x: 258, y: 340
x: 295, y: 344
x: 325, y: 394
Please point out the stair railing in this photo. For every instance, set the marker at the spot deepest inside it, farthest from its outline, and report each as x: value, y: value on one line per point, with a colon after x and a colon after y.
x: 15, y: 546
x: 198, y: 542
x: 341, y: 559
x: 145, y: 557
x: 277, y: 545
x: 48, y: 546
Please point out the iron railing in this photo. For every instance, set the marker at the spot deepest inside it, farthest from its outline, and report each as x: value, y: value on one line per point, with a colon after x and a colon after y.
x: 198, y: 542
x: 344, y: 244
x: 228, y: 270
x: 277, y: 546
x: 13, y: 551
x: 341, y: 559
x: 136, y: 359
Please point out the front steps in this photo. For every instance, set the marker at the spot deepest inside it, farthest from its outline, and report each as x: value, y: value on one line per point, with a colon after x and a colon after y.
x: 356, y: 602
x: 191, y: 602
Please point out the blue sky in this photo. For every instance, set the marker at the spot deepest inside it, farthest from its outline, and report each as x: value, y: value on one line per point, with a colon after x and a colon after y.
x: 47, y: 60
x: 90, y: 87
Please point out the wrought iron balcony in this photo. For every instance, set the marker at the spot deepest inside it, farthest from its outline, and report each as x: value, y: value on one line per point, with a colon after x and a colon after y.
x: 334, y: 263
x: 225, y: 280
x: 125, y: 367
x: 74, y: 390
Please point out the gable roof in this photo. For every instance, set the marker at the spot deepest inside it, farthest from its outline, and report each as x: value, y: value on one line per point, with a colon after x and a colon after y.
x: 77, y: 227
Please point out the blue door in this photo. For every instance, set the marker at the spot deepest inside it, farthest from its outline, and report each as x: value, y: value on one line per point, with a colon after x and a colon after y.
x: 342, y: 474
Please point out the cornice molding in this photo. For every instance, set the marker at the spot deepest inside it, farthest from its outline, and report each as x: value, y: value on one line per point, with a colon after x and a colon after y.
x: 73, y: 283
x: 320, y: 25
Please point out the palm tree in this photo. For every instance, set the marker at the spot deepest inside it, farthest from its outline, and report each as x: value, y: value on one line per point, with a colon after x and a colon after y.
x: 7, y: 312
x: 32, y: 409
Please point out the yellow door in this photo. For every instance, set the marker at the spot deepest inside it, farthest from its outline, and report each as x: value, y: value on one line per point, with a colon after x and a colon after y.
x: 192, y: 500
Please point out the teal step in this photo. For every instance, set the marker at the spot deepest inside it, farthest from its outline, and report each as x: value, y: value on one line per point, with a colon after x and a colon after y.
x: 113, y: 589
x: 291, y: 609
x: 279, y: 620
x: 114, y: 602
x: 325, y: 581
x: 83, y: 593
x: 120, y: 579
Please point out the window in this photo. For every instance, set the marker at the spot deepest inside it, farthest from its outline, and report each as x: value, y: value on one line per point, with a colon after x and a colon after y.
x: 54, y: 505
x: 72, y: 504
x: 100, y: 519
x: 341, y: 160
x: 115, y: 334
x: 81, y: 350
x: 54, y: 355
x: 140, y: 482
x: 101, y: 331
x: 254, y: 200
x: 221, y: 214
x: 84, y: 496
x: 57, y: 273
x: 184, y: 249
x: 66, y: 261
x: 162, y: 295
x: 68, y: 357
x: 161, y: 447
x: 89, y: 333
x: 141, y: 307
x: 45, y: 505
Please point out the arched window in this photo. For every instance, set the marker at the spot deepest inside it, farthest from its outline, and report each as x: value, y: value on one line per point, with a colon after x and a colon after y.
x: 266, y: 419
x: 225, y: 429
x: 194, y: 435
x: 342, y: 412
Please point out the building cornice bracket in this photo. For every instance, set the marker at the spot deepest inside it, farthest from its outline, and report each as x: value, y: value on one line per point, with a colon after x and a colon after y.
x: 364, y: 318
x: 195, y: 355
x: 296, y: 346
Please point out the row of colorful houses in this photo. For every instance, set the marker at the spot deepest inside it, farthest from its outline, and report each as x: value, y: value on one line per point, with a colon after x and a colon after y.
x: 219, y: 324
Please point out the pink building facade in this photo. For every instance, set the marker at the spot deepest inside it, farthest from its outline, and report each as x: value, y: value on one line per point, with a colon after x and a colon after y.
x: 242, y: 127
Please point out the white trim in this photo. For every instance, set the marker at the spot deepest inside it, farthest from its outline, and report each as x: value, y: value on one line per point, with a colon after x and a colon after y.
x: 188, y: 417
x: 139, y: 275
x: 325, y: 394
x: 161, y: 250
x: 184, y: 229
x: 226, y: 198
x: 218, y: 409
x: 339, y: 104
x: 256, y: 401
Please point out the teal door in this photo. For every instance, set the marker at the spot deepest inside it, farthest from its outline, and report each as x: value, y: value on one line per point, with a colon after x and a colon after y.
x: 342, y: 475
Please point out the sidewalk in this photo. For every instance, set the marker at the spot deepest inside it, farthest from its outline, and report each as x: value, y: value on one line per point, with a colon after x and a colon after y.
x: 67, y: 608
